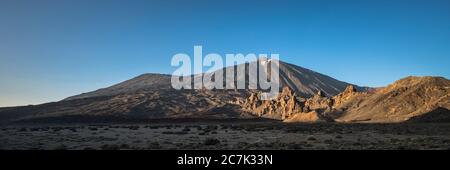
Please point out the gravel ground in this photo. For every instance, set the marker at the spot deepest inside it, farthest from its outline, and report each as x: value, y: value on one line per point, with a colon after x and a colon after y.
x: 227, y: 136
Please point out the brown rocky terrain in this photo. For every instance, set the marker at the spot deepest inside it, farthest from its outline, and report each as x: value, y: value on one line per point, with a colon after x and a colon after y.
x: 142, y: 104
x: 306, y: 96
x: 407, y: 98
x: 412, y: 98
x: 144, y: 113
x: 151, y: 96
x: 235, y: 135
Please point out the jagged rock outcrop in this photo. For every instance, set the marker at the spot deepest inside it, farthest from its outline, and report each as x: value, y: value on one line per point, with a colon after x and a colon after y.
x: 289, y: 107
x: 319, y: 103
x: 343, y: 97
x: 284, y: 106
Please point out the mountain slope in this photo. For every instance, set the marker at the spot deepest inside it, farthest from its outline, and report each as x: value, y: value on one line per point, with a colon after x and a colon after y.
x: 307, y: 83
x: 144, y: 81
x: 400, y: 101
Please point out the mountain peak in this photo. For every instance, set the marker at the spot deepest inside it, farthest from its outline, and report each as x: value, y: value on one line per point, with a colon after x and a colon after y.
x: 302, y: 81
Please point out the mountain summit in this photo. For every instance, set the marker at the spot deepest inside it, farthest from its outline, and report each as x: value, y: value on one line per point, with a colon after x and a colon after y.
x: 303, y: 81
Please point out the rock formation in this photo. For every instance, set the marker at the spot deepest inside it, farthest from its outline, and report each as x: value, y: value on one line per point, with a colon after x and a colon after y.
x: 289, y: 107
x: 284, y: 106
x: 415, y: 98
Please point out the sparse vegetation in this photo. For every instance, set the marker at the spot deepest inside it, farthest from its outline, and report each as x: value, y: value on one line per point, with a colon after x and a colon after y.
x: 211, y: 141
x: 61, y: 147
x: 237, y: 136
x: 110, y: 147
x: 311, y: 138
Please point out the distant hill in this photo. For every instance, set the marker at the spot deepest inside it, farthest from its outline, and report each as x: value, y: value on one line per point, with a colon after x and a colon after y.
x: 407, y: 98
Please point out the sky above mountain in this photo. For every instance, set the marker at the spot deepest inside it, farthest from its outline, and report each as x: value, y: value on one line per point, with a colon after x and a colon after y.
x: 52, y: 49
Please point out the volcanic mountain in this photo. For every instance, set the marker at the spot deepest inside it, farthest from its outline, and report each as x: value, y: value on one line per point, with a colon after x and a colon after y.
x: 151, y: 96
x: 303, y: 81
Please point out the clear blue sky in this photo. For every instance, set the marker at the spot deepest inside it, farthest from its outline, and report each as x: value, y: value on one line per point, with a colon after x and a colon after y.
x: 50, y: 50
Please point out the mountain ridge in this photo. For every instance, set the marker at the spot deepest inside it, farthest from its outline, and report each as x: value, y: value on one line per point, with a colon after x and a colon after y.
x: 304, y: 81
x: 319, y: 97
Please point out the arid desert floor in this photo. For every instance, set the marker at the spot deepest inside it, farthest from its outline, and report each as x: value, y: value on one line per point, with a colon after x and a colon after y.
x: 226, y: 136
